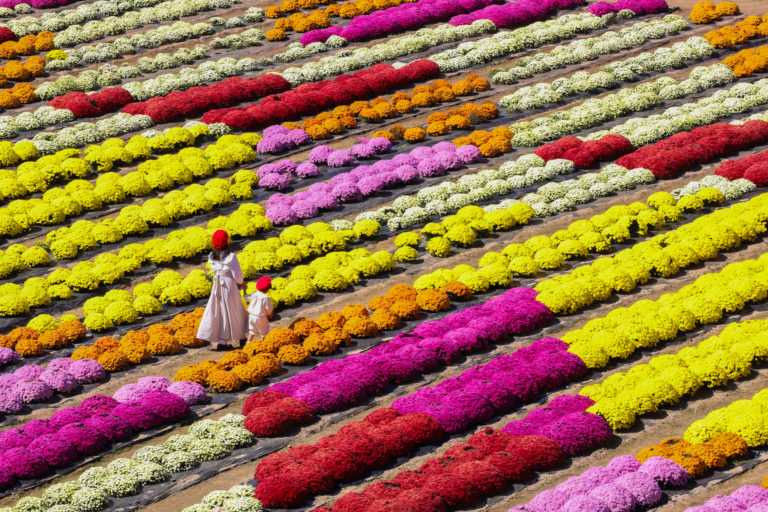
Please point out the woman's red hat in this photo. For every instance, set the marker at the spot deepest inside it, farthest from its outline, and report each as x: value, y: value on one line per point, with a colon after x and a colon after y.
x: 220, y: 240
x: 263, y: 283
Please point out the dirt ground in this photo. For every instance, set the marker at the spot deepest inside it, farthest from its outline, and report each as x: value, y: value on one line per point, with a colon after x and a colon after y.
x: 673, y: 423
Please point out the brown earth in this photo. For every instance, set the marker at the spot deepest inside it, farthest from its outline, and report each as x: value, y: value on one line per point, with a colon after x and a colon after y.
x: 673, y: 424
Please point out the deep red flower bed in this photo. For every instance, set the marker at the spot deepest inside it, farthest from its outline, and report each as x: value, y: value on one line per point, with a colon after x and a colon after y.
x: 96, y: 104
x: 311, y: 98
x: 752, y: 167
x: 586, y: 154
x: 674, y: 155
x: 289, y: 478
x: 463, y: 476
x: 194, y: 101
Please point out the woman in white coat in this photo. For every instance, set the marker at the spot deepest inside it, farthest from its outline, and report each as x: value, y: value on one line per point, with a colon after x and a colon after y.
x: 225, y: 321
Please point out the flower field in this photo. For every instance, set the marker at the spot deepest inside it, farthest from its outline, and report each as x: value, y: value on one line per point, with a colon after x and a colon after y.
x: 516, y: 248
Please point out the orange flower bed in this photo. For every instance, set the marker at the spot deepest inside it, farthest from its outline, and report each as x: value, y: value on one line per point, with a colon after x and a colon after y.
x: 748, y: 62
x: 285, y: 7
x: 698, y: 459
x: 345, y: 117
x: 18, y: 95
x: 27, y: 45
x: 23, y: 70
x: 261, y: 359
x: 752, y: 27
x: 135, y: 347
x: 29, y: 342
x: 495, y: 142
x: 705, y: 11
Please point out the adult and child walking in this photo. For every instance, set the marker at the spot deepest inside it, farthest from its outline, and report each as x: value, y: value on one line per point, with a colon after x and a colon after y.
x: 226, y: 323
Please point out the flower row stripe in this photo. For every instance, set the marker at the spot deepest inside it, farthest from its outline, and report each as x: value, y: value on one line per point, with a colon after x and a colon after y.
x: 473, y: 397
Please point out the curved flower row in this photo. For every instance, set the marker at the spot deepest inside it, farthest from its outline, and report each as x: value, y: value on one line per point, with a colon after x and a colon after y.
x: 42, y: 333
x: 94, y: 30
x: 321, y: 17
x: 327, y: 333
x: 39, y: 447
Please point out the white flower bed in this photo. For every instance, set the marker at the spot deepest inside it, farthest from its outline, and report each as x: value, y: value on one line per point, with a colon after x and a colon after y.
x: 662, y: 59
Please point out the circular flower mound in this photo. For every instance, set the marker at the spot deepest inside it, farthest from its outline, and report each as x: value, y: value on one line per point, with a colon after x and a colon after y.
x: 83, y: 438
x: 87, y: 371
x: 191, y: 392
x: 56, y: 450
x: 25, y: 464
x: 111, y: 427
x: 666, y: 472
x: 98, y: 404
x: 614, y: 497
x: 643, y: 487
x: 278, y: 418
x: 136, y: 417
x: 584, y: 504
x: 166, y: 406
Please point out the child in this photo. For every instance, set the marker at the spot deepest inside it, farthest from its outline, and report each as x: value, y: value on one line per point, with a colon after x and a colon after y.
x: 260, y: 310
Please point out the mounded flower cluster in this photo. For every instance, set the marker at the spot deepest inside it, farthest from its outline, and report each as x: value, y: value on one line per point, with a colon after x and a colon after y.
x: 706, y: 11
x: 613, y: 74
x: 751, y: 167
x: 624, y: 484
x: 443, y: 122
x: 748, y: 62
x: 728, y: 36
x: 28, y: 44
x: 205, y: 440
x: 745, y: 418
x: 668, y: 379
